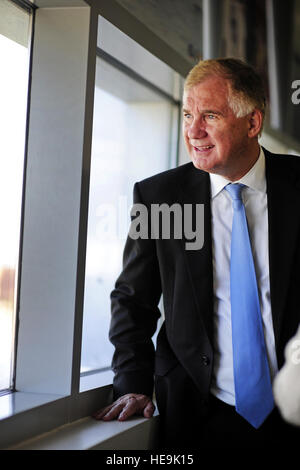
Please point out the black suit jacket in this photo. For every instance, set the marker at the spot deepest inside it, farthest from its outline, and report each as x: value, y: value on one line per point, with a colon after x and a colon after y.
x: 183, y: 360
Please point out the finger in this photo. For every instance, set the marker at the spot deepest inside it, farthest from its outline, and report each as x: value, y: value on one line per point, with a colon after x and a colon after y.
x: 114, y: 412
x: 132, y: 407
x: 149, y: 410
x: 99, y: 413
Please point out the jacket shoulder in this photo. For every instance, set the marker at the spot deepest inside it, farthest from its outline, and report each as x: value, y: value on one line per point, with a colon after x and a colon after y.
x: 167, y: 175
x: 286, y: 160
x: 283, y: 167
x: 165, y: 185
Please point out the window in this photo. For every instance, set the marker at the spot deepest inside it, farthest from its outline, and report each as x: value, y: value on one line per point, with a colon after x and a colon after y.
x: 134, y: 136
x: 15, y: 30
x: 54, y: 214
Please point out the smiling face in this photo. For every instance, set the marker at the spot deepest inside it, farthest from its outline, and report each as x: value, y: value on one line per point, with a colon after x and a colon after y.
x: 216, y: 140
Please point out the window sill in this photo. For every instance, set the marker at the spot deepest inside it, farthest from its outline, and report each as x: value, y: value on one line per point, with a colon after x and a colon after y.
x: 89, y: 434
x: 46, y: 421
x: 25, y: 416
x: 18, y: 402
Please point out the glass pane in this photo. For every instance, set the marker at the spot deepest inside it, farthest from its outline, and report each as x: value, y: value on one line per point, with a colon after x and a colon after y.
x: 129, y: 52
x: 132, y: 138
x: 14, y: 53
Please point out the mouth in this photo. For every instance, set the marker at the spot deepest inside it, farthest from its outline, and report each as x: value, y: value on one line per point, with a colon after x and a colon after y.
x: 203, y: 148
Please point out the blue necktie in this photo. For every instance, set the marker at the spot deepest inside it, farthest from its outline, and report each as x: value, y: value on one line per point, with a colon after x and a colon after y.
x: 252, y: 382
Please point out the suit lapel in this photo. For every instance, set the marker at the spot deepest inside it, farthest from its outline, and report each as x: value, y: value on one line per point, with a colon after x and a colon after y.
x: 283, y: 214
x: 195, y: 189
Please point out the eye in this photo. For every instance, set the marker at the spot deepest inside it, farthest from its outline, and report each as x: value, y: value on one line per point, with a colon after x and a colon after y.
x: 187, y: 115
x: 210, y: 117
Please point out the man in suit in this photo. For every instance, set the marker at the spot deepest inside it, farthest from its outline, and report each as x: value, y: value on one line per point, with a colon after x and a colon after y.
x: 213, y: 367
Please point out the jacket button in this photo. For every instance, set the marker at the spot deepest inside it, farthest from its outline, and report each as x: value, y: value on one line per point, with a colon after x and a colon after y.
x: 205, y: 360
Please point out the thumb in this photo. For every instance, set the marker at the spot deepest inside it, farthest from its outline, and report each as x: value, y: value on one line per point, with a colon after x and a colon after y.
x: 149, y: 410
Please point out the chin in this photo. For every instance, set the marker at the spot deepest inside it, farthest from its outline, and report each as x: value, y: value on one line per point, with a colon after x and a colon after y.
x: 201, y: 165
x: 197, y: 165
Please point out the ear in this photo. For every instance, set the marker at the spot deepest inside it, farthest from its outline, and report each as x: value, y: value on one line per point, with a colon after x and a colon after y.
x: 254, y: 123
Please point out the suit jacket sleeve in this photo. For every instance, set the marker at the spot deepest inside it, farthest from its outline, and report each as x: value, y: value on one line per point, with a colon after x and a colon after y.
x: 134, y: 310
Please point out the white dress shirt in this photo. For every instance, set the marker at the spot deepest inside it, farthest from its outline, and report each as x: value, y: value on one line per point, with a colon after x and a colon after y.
x: 255, y: 201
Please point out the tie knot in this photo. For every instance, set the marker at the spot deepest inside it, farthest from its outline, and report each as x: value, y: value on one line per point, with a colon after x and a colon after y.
x: 235, y: 190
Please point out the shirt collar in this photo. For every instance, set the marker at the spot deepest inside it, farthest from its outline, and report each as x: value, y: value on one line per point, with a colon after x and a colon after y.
x: 254, y: 179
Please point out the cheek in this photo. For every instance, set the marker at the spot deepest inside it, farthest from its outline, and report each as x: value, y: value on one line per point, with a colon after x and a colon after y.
x: 216, y: 133
x: 223, y: 136
x: 185, y: 132
x: 223, y: 146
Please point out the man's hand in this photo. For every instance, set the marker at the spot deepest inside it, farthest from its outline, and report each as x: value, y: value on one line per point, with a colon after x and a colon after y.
x: 126, y: 406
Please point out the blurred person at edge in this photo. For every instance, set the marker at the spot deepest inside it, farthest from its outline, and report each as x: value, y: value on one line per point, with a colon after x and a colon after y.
x: 287, y: 382
x: 192, y: 366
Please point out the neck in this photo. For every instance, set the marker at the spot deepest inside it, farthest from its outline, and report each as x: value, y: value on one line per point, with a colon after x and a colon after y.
x: 241, y: 171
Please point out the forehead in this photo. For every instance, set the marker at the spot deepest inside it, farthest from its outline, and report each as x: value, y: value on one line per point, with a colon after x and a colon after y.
x: 210, y: 94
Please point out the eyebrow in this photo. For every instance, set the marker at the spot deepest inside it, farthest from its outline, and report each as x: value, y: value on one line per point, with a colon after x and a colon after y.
x: 205, y: 111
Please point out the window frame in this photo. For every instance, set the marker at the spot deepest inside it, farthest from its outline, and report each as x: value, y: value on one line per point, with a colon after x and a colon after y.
x: 30, y: 9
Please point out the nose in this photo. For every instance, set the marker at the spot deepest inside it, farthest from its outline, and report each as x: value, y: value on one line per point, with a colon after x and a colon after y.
x: 197, y: 129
